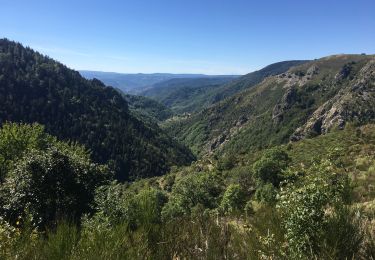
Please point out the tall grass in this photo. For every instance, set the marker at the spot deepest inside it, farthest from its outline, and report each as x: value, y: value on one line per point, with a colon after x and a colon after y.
x: 204, y: 236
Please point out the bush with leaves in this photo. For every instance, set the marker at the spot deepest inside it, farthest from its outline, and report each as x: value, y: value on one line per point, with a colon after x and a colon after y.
x: 269, y: 168
x: 193, y: 190
x: 47, y: 181
x: 50, y: 185
x: 267, y: 194
x: 15, y: 139
x: 116, y: 205
x: 233, y: 199
x: 305, y: 207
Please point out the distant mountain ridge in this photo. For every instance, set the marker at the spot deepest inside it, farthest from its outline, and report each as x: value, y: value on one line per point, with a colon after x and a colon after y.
x: 193, y: 95
x: 135, y: 83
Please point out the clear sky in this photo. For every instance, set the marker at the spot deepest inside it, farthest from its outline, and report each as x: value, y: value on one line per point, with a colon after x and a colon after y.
x: 190, y: 36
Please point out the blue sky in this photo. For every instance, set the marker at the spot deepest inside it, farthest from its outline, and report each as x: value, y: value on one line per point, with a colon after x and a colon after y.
x: 191, y: 36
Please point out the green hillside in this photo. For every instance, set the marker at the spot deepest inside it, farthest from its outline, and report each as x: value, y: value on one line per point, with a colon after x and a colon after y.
x: 35, y: 88
x: 147, y: 109
x: 193, y: 95
x: 186, y: 95
x: 312, y: 199
x: 307, y: 100
x: 286, y: 167
x: 253, y: 78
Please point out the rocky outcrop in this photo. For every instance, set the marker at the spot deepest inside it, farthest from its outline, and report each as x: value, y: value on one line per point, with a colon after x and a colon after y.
x: 344, y: 72
x: 284, y: 104
x: 217, y: 142
x: 242, y: 120
x: 297, y: 78
x: 355, y: 103
x: 313, y: 70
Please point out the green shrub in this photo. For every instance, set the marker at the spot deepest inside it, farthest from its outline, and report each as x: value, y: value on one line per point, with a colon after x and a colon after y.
x: 266, y: 194
x: 16, y: 139
x: 269, y: 168
x: 45, y: 180
x: 233, y: 199
x: 192, y: 190
x: 304, y: 208
x: 50, y: 185
x: 343, y: 236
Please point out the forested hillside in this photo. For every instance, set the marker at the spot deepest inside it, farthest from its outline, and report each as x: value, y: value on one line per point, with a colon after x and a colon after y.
x: 187, y: 130
x: 307, y: 100
x: 193, y: 95
x: 147, y: 109
x: 187, y: 95
x: 35, y: 88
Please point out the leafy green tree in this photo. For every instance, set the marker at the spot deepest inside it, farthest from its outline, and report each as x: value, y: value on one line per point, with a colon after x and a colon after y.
x: 266, y: 193
x: 193, y: 190
x: 116, y: 205
x: 15, y: 139
x: 227, y: 162
x: 233, y: 199
x: 45, y: 179
x: 113, y: 206
x: 148, y: 204
x: 269, y: 168
x: 304, y: 207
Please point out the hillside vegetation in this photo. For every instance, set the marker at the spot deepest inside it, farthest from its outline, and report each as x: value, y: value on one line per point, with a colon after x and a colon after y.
x: 186, y: 95
x: 194, y: 95
x: 286, y: 166
x: 313, y: 199
x: 147, y: 109
x: 251, y: 79
x: 35, y: 88
x: 307, y: 100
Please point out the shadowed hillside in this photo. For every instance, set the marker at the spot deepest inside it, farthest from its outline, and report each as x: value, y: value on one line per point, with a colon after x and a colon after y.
x: 35, y: 88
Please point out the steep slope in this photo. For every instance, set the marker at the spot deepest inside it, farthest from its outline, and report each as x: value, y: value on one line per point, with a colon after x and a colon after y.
x: 307, y: 100
x: 147, y: 109
x: 35, y: 88
x: 252, y: 79
x: 186, y: 95
x: 193, y: 95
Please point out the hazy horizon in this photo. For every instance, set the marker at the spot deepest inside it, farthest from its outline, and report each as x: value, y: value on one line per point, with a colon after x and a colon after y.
x: 197, y: 37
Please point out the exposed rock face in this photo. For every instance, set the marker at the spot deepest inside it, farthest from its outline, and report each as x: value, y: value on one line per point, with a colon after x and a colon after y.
x: 217, y: 142
x: 299, y: 78
x: 344, y: 72
x: 242, y: 120
x: 313, y: 70
x: 308, y: 99
x: 355, y: 102
x: 284, y: 104
x: 224, y: 137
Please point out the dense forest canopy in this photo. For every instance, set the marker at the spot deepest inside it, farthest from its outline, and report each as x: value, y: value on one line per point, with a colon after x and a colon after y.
x: 186, y: 95
x: 35, y: 88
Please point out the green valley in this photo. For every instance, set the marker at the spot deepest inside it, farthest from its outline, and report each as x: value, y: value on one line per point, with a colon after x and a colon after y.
x: 276, y: 164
